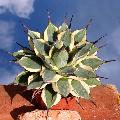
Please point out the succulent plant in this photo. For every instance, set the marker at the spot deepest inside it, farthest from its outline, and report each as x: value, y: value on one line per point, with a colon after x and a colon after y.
x: 60, y: 62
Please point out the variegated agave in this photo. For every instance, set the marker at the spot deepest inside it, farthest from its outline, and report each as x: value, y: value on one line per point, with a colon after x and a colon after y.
x: 59, y: 62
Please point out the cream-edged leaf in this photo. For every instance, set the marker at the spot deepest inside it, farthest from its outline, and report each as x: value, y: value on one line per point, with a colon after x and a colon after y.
x: 82, y: 52
x: 49, y: 96
x: 31, y: 44
x: 22, y: 78
x: 60, y: 58
x: 35, y: 81
x: 51, y: 51
x: 58, y: 44
x: 40, y: 47
x: 93, y: 62
x: 55, y: 87
x: 50, y: 63
x: 50, y: 76
x: 63, y: 27
x: 80, y: 89
x: 32, y: 35
x: 50, y: 32
x: 81, y: 72
x: 20, y: 53
x: 85, y: 49
x: 30, y: 63
x: 92, y: 81
x: 76, y: 78
x: 66, y: 38
x: 93, y: 50
x: 68, y: 70
x: 63, y: 86
x: 79, y: 35
x: 44, y: 85
x: 72, y: 43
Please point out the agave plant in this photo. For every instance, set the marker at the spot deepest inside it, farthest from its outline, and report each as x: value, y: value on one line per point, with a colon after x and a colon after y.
x: 60, y: 62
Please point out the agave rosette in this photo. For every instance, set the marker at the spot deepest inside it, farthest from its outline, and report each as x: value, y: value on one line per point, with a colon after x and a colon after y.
x: 60, y: 62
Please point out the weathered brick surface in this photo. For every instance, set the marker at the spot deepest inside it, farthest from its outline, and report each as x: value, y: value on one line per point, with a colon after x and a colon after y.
x: 51, y: 115
x: 13, y: 103
x: 104, y: 104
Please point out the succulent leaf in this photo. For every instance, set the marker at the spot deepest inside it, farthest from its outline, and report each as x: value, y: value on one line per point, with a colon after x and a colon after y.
x: 30, y: 63
x: 63, y: 27
x: 63, y: 87
x: 50, y: 76
x: 58, y: 44
x: 92, y: 81
x: 93, y: 50
x: 82, y: 52
x: 22, y: 78
x: 81, y: 72
x: 39, y: 47
x: 79, y: 35
x: 50, y: 32
x: 50, y: 63
x: 49, y: 96
x: 65, y: 37
x: 60, y: 58
x: 20, y: 53
x: 35, y: 81
x: 32, y: 35
x: 68, y: 70
x: 80, y: 89
x: 44, y: 85
x: 51, y: 51
x: 92, y: 62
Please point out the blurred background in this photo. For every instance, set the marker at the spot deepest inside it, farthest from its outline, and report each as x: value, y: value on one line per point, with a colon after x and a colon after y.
x: 106, y: 20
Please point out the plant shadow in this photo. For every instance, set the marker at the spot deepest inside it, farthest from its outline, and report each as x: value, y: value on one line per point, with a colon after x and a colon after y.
x: 12, y: 91
x: 21, y: 110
